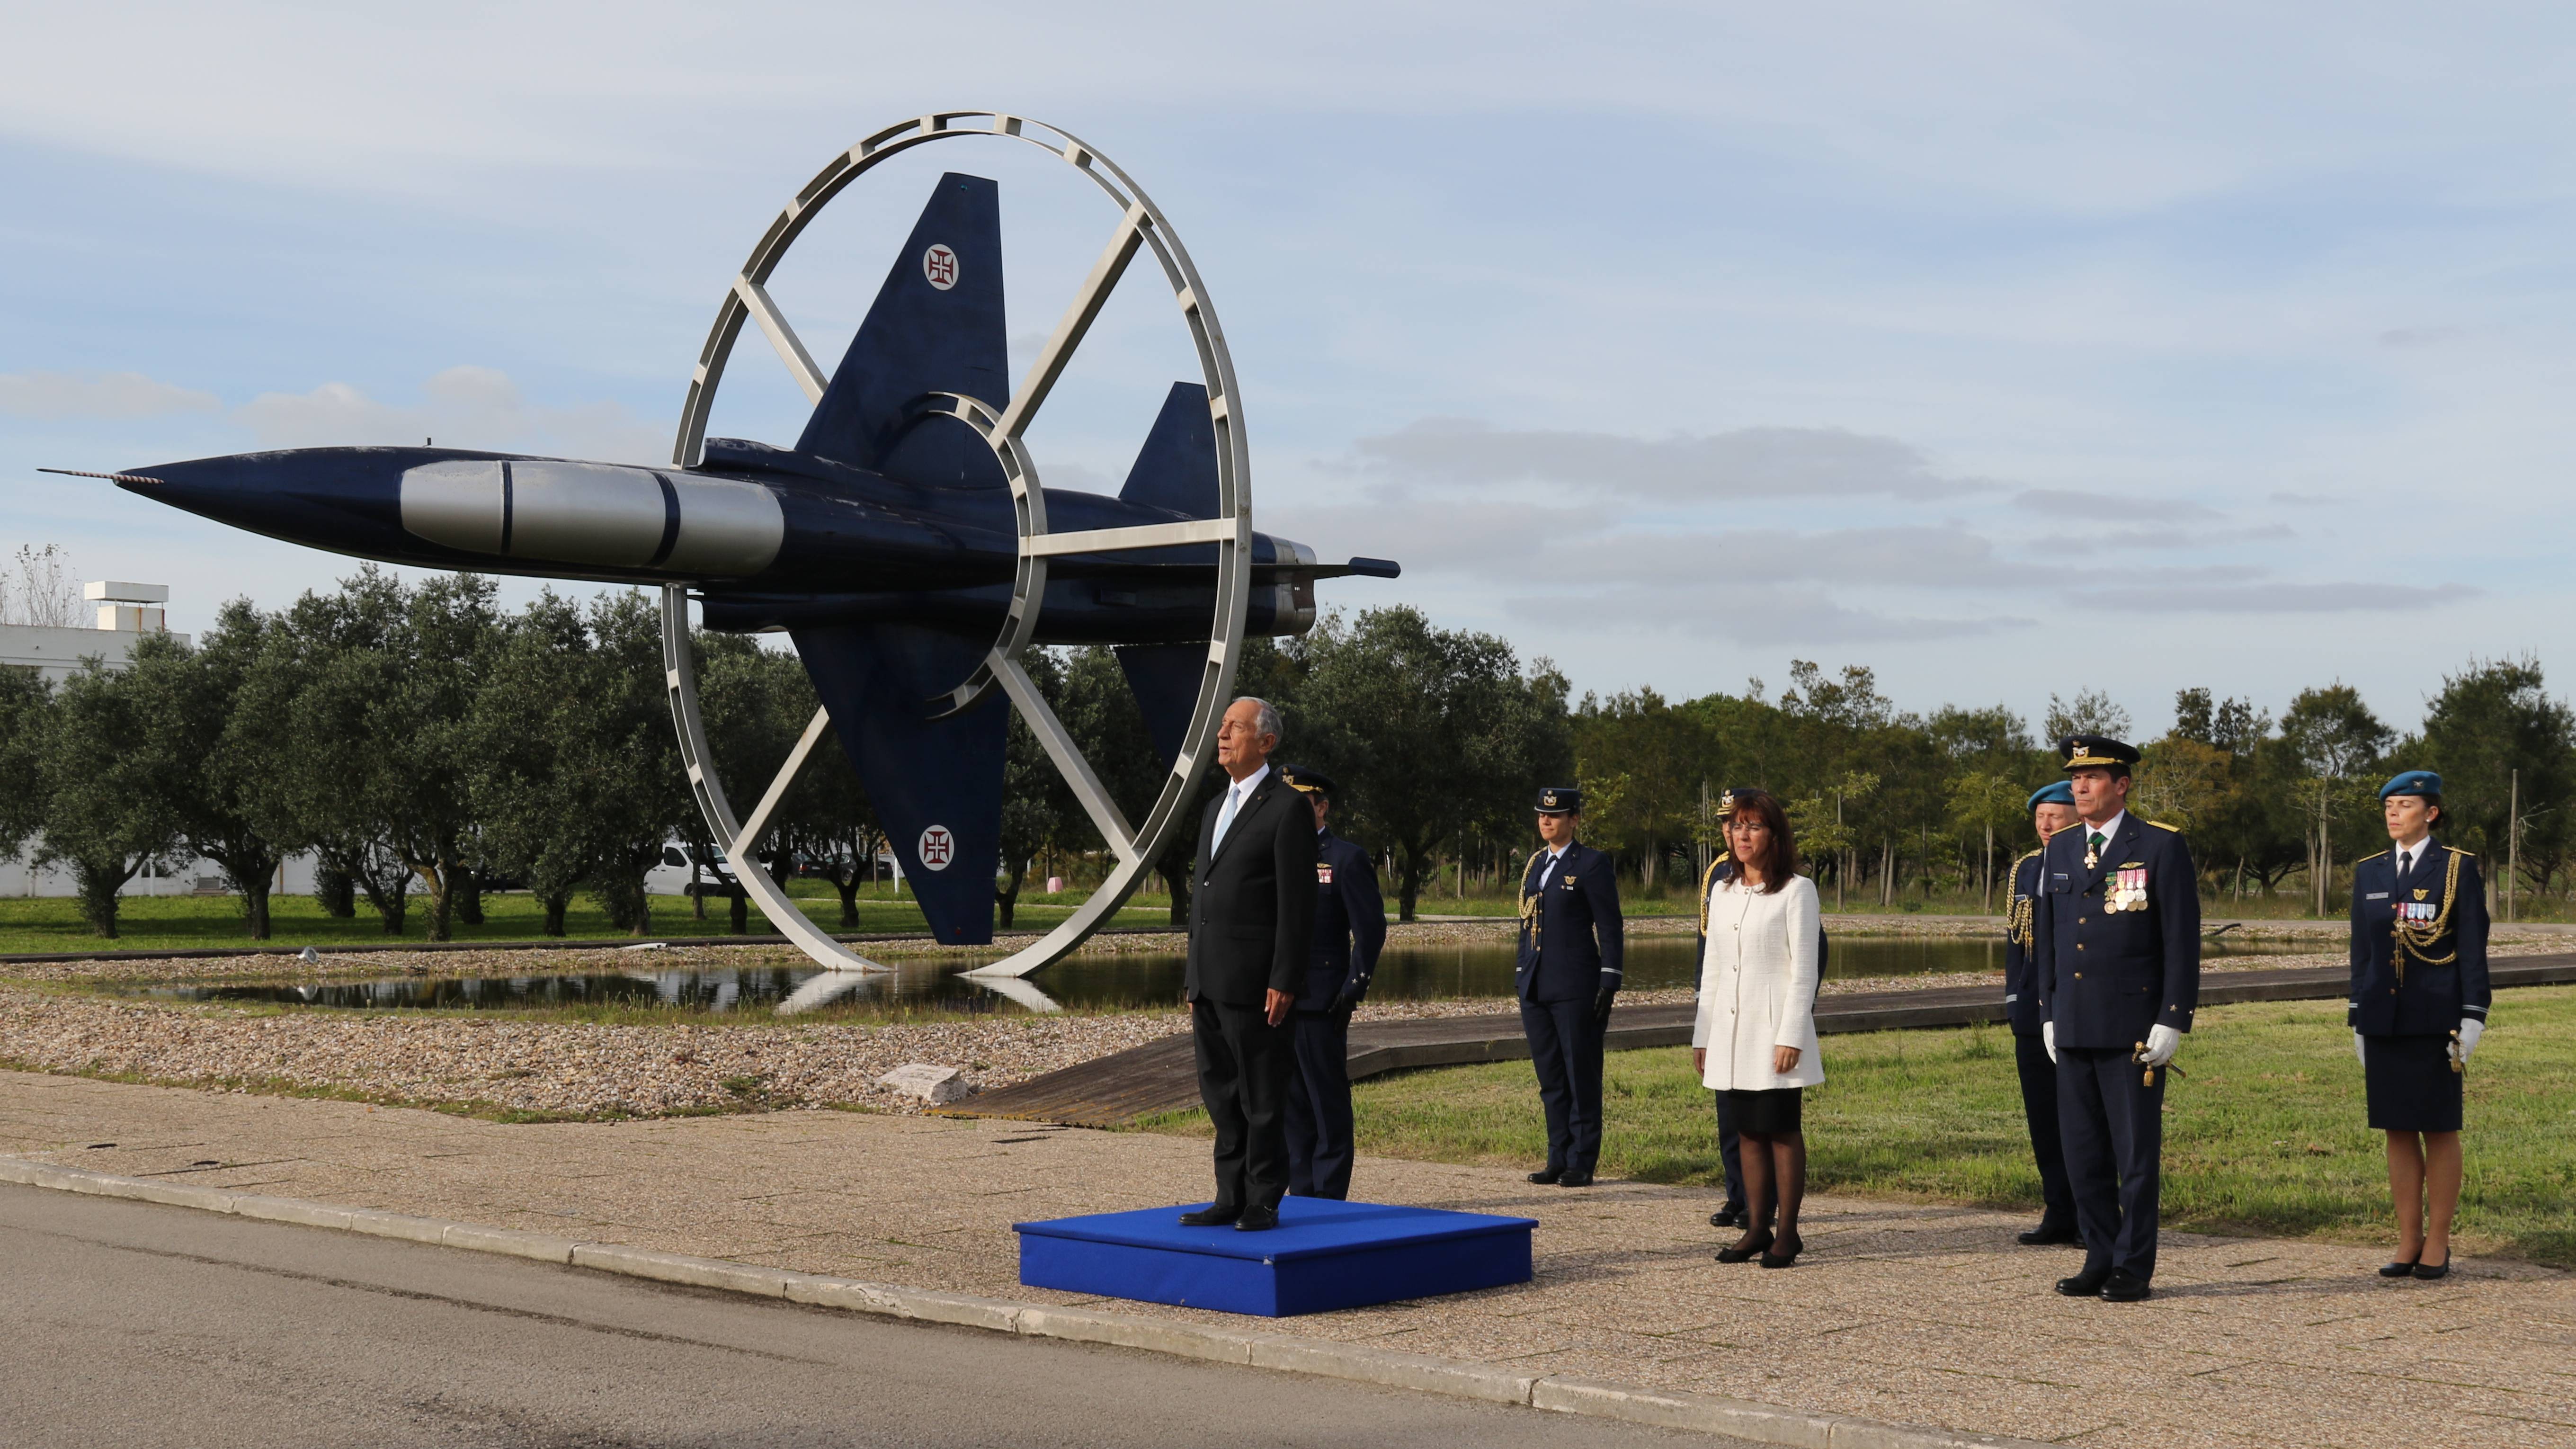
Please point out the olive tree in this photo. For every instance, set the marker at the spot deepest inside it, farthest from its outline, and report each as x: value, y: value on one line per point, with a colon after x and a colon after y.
x: 107, y: 781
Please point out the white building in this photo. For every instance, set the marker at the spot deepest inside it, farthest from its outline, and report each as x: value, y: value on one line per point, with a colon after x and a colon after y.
x: 126, y: 612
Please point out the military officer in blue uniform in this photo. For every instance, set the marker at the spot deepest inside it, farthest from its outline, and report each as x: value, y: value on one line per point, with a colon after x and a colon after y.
x: 2115, y: 937
x: 1735, y: 1212
x: 2052, y: 808
x: 1572, y: 951
x: 2419, y: 1004
x: 1348, y: 909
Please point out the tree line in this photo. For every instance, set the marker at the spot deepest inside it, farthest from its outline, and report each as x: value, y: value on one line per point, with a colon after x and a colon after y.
x: 1887, y: 802
x: 424, y: 746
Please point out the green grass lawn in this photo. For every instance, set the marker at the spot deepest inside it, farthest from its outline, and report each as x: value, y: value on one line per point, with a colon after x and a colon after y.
x: 2265, y: 1135
x: 41, y: 924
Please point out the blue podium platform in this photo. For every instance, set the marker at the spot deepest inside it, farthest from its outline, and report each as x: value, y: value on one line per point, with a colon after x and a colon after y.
x: 1323, y: 1255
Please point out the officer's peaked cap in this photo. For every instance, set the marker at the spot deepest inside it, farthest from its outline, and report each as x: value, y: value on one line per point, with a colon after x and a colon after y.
x: 2090, y: 752
x: 1559, y: 800
x: 1310, y: 780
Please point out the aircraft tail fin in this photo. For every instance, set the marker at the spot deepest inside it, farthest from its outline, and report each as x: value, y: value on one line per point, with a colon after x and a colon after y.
x: 1165, y: 680
x: 936, y: 783
x: 1176, y: 469
x: 937, y: 326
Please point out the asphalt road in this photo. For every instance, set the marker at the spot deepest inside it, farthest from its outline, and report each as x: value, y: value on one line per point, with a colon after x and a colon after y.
x: 133, y: 1324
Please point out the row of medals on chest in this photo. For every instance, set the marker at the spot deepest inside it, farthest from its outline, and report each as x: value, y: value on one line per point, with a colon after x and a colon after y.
x: 2127, y: 888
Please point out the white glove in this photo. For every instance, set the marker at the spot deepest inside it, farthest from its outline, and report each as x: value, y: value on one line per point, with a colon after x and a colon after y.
x: 2162, y: 1043
x: 2470, y: 1030
x: 2048, y: 1038
x: 2356, y: 1050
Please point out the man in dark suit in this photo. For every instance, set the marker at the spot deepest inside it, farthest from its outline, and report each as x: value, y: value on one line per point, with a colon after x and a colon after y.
x: 1347, y: 905
x: 1572, y: 950
x: 2115, y: 930
x: 2052, y: 809
x: 1252, y: 926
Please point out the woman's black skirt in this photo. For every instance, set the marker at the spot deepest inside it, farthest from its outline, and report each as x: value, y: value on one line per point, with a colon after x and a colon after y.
x: 2411, y: 1085
x: 1772, y: 1111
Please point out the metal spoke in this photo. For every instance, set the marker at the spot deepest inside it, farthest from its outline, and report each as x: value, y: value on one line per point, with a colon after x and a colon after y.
x: 1150, y: 535
x: 1076, y: 321
x: 787, y: 772
x: 1051, y: 733
x: 791, y: 350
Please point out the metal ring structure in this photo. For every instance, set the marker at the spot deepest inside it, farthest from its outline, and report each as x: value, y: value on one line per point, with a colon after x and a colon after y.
x: 1141, y: 224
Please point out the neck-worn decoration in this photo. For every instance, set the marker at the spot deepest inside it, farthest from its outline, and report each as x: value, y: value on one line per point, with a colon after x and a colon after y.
x: 2420, y: 924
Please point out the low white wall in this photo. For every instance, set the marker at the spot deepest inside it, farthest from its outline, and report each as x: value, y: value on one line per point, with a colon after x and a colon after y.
x: 194, y: 877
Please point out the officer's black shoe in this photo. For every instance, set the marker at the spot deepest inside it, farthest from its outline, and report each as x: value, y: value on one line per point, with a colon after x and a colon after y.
x: 2124, y: 1286
x: 1727, y: 1217
x: 1573, y: 1177
x: 2084, y: 1284
x: 2049, y: 1235
x: 1210, y: 1217
x: 2430, y: 1272
x: 1257, y: 1219
x: 1547, y: 1177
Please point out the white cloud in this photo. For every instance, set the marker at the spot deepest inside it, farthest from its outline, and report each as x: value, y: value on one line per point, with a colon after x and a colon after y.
x: 462, y: 407
x: 2277, y: 598
x: 96, y: 395
x: 1768, y: 462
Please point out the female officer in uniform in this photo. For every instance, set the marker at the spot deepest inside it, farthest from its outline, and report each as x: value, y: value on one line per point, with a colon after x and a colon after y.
x: 2419, y: 1001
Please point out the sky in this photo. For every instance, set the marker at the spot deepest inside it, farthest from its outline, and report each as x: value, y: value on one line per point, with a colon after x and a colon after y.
x: 2007, y: 349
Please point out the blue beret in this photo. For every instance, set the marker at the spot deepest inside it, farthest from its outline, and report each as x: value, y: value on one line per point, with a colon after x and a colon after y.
x: 2055, y: 792
x: 2412, y: 782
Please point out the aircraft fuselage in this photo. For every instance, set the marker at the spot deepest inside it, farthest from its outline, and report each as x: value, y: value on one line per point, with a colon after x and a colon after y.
x: 770, y: 538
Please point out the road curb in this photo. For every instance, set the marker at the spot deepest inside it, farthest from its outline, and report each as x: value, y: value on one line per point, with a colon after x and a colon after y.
x: 1322, y: 1358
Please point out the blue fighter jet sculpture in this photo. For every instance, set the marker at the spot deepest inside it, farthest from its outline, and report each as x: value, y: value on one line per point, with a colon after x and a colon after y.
x: 885, y: 543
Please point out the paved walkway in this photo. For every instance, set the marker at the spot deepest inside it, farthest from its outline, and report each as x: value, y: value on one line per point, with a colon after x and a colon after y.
x: 1900, y: 1312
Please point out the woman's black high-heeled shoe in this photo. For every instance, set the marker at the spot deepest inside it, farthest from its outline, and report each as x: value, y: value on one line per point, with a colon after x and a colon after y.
x: 1746, y: 1248
x: 1783, y: 1259
x: 2401, y: 1267
x: 2430, y: 1272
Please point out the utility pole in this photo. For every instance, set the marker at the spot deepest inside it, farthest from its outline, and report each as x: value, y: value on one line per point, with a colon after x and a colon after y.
x: 2513, y: 842
x: 1699, y: 851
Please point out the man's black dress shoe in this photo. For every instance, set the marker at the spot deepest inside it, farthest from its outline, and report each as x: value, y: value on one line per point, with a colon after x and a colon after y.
x: 2084, y: 1284
x: 2124, y: 1286
x: 1574, y: 1179
x: 1257, y: 1219
x: 2048, y: 1235
x: 1210, y: 1217
x: 1727, y: 1217
x: 2431, y: 1271
x: 1546, y: 1177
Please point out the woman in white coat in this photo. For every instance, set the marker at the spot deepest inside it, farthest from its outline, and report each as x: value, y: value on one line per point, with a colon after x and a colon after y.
x: 1755, y: 1038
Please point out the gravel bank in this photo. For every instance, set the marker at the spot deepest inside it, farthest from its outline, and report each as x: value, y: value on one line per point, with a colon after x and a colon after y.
x: 552, y: 1069
x: 497, y: 1064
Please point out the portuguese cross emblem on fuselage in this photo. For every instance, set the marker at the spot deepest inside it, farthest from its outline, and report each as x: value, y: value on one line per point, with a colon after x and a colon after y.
x: 936, y: 848
x: 939, y: 265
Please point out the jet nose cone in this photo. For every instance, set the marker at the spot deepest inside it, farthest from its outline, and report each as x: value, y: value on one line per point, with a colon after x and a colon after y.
x: 336, y: 498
